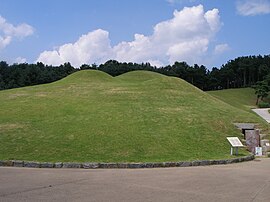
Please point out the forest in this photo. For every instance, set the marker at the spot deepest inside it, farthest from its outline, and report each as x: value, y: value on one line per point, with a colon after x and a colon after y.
x: 20, y: 75
x: 241, y: 72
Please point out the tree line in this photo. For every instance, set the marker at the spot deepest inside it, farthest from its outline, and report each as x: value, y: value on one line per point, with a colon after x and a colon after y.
x: 20, y: 75
x: 240, y: 72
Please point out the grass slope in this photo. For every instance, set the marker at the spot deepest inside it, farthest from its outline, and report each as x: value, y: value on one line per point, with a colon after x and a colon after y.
x: 136, y: 117
x: 243, y: 98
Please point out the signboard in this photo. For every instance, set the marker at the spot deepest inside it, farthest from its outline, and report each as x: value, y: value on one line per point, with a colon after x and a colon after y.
x: 258, y: 151
x: 235, y: 142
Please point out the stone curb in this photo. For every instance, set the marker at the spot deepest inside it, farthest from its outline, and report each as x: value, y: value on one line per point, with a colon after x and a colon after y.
x: 31, y: 164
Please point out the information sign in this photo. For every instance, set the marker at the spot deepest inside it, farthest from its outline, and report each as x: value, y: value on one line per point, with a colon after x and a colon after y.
x: 258, y: 151
x: 235, y: 142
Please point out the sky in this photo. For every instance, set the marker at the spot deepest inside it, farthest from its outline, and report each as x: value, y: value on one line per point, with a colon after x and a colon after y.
x: 204, y: 32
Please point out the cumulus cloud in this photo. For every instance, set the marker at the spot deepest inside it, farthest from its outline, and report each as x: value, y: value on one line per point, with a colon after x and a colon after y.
x: 20, y: 60
x: 8, y: 31
x: 253, y: 7
x: 184, y: 37
x: 93, y: 47
x: 4, y: 41
x: 221, y: 48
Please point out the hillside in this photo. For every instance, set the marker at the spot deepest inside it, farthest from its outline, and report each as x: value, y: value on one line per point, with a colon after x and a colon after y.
x: 136, y: 117
x: 243, y: 98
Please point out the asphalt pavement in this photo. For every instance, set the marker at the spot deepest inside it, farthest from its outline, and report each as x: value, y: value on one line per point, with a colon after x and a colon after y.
x: 263, y: 112
x: 248, y: 181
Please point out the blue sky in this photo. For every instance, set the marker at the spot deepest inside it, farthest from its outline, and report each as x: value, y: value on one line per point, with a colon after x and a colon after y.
x: 208, y: 32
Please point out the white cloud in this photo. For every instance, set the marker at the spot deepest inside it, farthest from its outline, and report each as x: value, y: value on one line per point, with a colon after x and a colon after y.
x: 20, y: 60
x: 8, y: 31
x: 188, y: 51
x: 93, y: 47
x: 253, y: 7
x: 184, y: 37
x: 4, y: 41
x: 221, y: 48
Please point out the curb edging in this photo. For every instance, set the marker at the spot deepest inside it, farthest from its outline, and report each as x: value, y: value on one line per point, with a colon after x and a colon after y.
x: 89, y: 165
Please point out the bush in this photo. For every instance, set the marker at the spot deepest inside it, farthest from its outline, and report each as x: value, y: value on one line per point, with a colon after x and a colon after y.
x: 263, y: 104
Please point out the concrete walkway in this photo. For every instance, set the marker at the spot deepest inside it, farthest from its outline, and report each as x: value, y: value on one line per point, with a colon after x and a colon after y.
x: 263, y: 113
x: 249, y: 181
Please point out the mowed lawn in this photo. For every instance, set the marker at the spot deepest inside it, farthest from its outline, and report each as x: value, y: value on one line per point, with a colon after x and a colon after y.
x: 139, y: 116
x: 243, y: 98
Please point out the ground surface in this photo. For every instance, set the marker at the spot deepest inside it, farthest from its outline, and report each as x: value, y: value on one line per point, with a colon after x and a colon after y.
x: 264, y: 113
x: 249, y: 181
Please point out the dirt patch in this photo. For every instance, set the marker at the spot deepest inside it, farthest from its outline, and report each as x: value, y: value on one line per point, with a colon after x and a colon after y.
x: 11, y: 126
x: 15, y: 95
x: 172, y: 109
x: 41, y: 94
x: 120, y: 90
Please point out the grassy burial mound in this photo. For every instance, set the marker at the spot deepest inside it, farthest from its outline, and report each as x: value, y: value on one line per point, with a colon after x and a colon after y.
x: 139, y: 116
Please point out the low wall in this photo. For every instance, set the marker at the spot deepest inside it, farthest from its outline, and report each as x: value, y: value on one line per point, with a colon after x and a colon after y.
x: 30, y: 164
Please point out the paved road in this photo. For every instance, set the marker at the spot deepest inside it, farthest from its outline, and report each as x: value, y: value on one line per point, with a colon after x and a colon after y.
x: 263, y: 112
x: 249, y: 181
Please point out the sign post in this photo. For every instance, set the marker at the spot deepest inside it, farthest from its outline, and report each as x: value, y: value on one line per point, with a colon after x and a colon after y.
x: 235, y: 143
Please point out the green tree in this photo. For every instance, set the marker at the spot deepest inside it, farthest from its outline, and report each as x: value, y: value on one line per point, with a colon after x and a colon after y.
x: 261, y: 90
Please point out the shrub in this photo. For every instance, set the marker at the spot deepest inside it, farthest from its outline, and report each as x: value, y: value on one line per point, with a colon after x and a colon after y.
x: 263, y: 104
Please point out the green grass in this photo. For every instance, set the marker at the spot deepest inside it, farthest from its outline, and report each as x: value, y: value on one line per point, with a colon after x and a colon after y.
x: 137, y: 117
x: 242, y: 98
